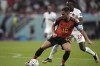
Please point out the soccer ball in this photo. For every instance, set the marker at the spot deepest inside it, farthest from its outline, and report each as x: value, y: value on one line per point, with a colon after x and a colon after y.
x: 33, y: 62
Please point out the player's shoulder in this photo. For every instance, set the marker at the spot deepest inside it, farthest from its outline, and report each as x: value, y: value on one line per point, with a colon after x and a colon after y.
x: 59, y: 18
x: 77, y: 10
x: 53, y: 13
x: 45, y: 12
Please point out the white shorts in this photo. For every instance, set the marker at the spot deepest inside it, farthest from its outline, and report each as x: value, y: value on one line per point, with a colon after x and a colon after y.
x: 78, y: 36
x: 48, y: 32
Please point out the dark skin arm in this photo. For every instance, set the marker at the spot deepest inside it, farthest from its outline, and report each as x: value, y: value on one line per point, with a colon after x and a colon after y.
x: 42, y: 25
x: 86, y: 37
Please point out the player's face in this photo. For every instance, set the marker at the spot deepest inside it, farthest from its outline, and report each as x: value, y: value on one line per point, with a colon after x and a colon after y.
x: 65, y: 14
x: 49, y: 8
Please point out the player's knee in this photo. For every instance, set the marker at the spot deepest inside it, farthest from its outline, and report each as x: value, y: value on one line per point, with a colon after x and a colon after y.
x: 67, y: 50
x: 83, y: 49
x: 82, y: 46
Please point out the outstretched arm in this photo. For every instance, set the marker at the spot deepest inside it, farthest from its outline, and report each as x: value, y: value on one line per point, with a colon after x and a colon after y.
x: 86, y: 37
x: 53, y: 30
x: 84, y: 34
x: 42, y: 25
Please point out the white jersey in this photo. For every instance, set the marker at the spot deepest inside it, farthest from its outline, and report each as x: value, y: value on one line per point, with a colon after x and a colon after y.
x: 77, y: 14
x: 49, y: 18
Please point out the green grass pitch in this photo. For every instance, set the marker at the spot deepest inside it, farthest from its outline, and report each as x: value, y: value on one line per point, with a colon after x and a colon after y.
x: 16, y: 53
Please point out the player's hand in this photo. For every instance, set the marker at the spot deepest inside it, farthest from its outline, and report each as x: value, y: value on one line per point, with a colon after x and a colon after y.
x: 90, y: 42
x: 54, y: 35
x: 67, y: 39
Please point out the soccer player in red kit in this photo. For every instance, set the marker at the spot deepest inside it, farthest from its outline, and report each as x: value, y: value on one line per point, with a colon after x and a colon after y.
x: 62, y: 29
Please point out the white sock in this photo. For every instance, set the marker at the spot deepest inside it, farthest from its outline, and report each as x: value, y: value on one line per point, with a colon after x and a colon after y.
x: 88, y: 50
x: 53, y: 51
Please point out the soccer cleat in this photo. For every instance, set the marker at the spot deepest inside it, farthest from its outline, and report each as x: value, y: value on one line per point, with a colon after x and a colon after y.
x: 27, y: 63
x: 96, y: 58
x: 62, y: 64
x: 47, y: 60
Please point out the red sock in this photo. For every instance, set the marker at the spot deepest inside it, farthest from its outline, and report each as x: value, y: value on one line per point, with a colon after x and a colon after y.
x: 63, y: 62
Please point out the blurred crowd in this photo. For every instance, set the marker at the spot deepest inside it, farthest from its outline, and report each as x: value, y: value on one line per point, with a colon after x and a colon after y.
x: 23, y: 11
x: 39, y: 6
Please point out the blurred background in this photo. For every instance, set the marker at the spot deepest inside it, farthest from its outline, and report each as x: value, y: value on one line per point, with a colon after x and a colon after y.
x: 21, y: 19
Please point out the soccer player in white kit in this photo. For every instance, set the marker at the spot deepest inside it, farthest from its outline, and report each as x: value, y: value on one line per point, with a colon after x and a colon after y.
x: 76, y: 34
x: 49, y: 18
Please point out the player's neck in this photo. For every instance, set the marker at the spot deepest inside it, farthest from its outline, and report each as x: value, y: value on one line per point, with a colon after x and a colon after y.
x: 68, y: 18
x: 49, y: 12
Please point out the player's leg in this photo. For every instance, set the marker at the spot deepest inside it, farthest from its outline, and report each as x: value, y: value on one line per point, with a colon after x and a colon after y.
x: 47, y: 33
x: 46, y: 45
x: 81, y: 40
x: 88, y: 50
x: 53, y: 51
x: 66, y: 55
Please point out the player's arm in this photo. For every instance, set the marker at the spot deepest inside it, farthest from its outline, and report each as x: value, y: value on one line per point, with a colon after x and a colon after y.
x: 80, y: 17
x: 79, y: 27
x: 54, y: 16
x: 53, y: 30
x: 54, y: 26
x: 42, y: 25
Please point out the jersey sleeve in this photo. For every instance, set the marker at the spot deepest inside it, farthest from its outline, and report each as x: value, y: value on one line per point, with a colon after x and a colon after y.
x: 79, y: 14
x: 79, y: 27
x: 77, y: 24
x: 44, y: 15
x: 54, y: 16
x: 57, y: 21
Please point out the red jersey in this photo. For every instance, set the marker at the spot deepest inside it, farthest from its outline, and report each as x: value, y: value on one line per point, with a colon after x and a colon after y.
x: 65, y: 27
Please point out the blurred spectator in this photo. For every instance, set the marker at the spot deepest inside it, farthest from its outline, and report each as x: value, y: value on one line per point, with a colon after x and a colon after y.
x: 14, y: 24
x: 3, y: 25
x: 3, y: 5
x: 28, y: 9
x: 38, y: 6
x: 82, y: 5
x: 10, y: 3
x: 15, y: 20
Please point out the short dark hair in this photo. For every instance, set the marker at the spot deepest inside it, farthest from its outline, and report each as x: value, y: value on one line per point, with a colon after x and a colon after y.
x: 66, y: 9
x: 72, y: 1
x: 71, y: 5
